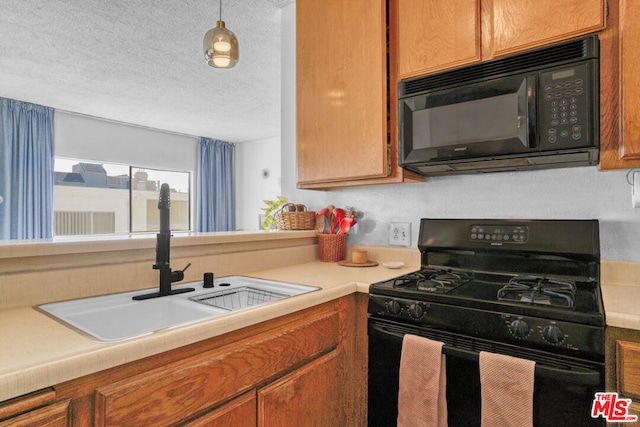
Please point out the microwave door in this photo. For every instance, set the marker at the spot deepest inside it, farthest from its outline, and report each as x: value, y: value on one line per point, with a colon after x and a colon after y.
x: 478, y: 120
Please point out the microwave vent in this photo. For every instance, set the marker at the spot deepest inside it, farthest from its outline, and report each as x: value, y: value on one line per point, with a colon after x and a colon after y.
x: 577, y: 49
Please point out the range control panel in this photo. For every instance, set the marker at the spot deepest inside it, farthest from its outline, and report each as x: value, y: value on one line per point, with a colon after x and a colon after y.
x: 499, y: 233
x: 531, y: 331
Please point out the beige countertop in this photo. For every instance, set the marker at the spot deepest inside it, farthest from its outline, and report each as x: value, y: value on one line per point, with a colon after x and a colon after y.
x: 37, y: 352
x: 620, y: 284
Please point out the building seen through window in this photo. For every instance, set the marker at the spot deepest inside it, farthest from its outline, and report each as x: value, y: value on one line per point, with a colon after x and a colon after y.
x: 102, y: 198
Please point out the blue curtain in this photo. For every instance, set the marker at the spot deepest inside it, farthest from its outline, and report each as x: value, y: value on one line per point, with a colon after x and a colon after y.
x: 26, y: 170
x: 216, y: 199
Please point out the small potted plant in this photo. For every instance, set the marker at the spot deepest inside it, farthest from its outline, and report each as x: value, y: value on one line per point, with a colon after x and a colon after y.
x: 270, y: 212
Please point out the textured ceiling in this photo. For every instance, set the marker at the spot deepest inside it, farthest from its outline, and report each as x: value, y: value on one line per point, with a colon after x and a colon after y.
x: 141, y: 62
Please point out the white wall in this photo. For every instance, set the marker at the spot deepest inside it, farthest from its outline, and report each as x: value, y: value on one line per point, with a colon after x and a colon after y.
x: 257, y: 178
x: 580, y: 193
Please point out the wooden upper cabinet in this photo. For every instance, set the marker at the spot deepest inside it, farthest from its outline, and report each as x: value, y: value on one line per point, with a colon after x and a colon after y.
x: 510, y: 26
x: 619, y: 92
x: 341, y: 90
x: 630, y: 70
x: 435, y: 35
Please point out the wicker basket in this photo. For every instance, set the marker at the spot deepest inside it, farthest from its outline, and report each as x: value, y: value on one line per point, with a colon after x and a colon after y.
x: 305, y: 220
x: 332, y: 247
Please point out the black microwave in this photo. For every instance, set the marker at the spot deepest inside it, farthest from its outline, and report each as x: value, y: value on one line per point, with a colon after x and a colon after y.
x: 534, y: 110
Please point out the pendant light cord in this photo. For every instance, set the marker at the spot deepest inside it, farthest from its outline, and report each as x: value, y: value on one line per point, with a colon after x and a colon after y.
x: 221, y: 10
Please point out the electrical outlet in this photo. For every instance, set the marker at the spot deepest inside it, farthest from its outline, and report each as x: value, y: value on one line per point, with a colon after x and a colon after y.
x: 400, y: 234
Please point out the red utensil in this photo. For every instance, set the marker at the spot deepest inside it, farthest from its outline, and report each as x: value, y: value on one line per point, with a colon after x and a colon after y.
x: 338, y: 216
x: 346, y: 224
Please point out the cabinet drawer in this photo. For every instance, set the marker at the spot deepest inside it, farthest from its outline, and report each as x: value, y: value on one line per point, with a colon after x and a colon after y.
x: 53, y: 415
x: 170, y: 394
x: 25, y: 403
x: 628, y: 368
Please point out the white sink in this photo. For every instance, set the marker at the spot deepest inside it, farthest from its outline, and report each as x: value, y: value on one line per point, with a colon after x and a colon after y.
x: 118, y: 317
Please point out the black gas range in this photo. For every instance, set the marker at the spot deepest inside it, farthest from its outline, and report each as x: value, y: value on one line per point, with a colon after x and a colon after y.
x: 525, y: 288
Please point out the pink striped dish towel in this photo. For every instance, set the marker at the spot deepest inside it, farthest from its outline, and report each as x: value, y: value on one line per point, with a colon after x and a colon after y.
x: 506, y: 385
x: 422, y: 399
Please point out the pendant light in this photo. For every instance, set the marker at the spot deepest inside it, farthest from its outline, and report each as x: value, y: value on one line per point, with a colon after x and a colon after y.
x: 220, y: 45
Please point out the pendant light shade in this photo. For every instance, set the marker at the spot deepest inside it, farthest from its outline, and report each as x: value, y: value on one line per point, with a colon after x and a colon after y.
x: 220, y: 45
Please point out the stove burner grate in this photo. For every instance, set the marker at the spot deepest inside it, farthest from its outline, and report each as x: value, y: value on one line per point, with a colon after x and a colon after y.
x: 431, y: 280
x: 541, y: 291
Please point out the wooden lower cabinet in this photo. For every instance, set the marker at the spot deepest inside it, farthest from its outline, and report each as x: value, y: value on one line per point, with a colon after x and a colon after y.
x: 628, y: 374
x: 240, y: 412
x: 309, y: 397
x: 40, y: 408
x: 53, y: 415
x: 305, y: 368
x: 165, y: 395
x: 622, y: 354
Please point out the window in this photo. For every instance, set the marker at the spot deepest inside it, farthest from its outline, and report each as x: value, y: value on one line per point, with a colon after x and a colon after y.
x: 144, y: 199
x: 104, y: 198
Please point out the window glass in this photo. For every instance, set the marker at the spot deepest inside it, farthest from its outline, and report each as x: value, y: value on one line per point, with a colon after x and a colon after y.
x: 103, y: 198
x: 145, y: 191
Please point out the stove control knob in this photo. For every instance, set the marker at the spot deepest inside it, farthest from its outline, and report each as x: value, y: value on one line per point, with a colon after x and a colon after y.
x: 394, y: 307
x: 416, y: 311
x: 553, y: 334
x: 519, y: 328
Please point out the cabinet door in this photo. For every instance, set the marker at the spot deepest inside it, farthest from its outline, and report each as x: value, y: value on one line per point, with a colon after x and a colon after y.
x: 309, y: 396
x: 435, y: 34
x: 630, y: 70
x: 176, y: 392
x: 54, y: 415
x: 518, y: 25
x: 628, y: 354
x: 628, y: 374
x: 240, y: 412
x: 341, y: 90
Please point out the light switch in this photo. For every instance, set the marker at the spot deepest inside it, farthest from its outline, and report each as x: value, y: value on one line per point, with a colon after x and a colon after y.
x: 635, y: 195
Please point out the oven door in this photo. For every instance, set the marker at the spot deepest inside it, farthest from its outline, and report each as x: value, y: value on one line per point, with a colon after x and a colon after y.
x: 563, y: 392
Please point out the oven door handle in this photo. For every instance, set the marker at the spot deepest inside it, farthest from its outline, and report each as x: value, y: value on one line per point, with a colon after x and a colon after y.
x: 577, y: 375
x: 581, y: 377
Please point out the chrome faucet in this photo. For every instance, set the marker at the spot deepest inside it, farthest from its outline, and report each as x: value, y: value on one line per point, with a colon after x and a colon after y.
x: 163, y: 248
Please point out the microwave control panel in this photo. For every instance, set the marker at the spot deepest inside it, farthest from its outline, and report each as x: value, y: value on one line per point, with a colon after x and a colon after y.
x: 566, y: 107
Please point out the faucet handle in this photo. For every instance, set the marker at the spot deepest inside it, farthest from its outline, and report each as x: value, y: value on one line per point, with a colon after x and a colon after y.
x: 178, y: 275
x: 207, y: 280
